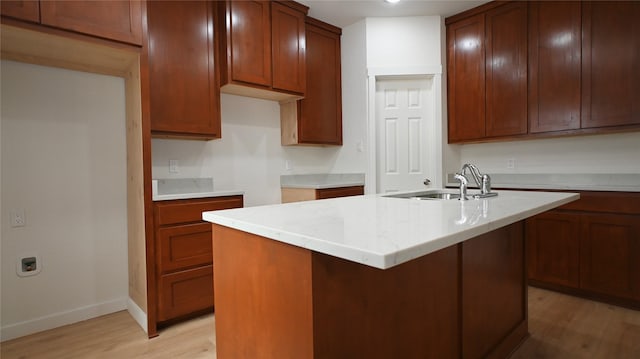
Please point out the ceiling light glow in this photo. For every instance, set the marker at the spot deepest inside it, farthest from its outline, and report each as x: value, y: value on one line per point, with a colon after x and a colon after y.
x: 392, y: 1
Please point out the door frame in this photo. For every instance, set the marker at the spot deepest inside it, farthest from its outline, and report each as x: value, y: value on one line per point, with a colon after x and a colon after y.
x: 435, y: 128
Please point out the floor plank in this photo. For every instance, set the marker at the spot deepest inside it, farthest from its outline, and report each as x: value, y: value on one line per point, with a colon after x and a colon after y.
x: 561, y: 326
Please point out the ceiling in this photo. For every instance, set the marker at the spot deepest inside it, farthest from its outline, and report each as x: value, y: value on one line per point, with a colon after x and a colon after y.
x: 345, y: 13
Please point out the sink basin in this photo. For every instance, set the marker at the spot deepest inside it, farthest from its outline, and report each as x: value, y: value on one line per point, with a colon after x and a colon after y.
x: 426, y: 195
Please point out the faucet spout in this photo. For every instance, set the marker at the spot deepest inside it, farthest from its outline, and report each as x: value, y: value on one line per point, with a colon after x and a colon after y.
x: 482, y: 180
x: 463, y: 185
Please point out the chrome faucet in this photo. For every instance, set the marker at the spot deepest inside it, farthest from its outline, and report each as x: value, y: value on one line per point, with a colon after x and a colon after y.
x: 482, y: 180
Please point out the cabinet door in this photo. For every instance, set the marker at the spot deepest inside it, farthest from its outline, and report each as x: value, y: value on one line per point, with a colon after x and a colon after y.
x: 115, y: 20
x: 184, y: 91
x: 611, y: 63
x: 320, y: 112
x: 465, y: 79
x: 185, y: 292
x: 610, y: 255
x: 555, y: 45
x: 28, y: 10
x: 250, y: 37
x: 506, y: 70
x: 553, y: 248
x: 288, y: 51
x: 185, y: 246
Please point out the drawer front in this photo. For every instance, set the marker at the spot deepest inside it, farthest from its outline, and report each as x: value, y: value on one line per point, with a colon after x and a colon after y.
x: 185, y: 292
x: 608, y: 202
x: 339, y: 192
x: 185, y: 211
x: 185, y: 246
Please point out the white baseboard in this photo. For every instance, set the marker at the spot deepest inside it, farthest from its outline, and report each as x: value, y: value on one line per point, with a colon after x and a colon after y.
x: 138, y: 314
x: 55, y: 320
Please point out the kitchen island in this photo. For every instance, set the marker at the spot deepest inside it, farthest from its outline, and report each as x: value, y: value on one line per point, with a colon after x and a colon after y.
x: 374, y: 277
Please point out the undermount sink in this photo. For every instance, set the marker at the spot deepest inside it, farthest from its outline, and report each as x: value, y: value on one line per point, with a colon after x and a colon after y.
x: 425, y: 195
x: 439, y: 194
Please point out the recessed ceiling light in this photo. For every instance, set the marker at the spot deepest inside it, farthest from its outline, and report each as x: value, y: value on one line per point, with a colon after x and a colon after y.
x: 392, y: 1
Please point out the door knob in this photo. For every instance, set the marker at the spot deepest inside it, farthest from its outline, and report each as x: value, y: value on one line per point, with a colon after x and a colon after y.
x: 427, y: 182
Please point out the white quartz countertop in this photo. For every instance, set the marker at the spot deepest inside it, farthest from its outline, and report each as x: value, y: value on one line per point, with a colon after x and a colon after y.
x: 322, y: 181
x: 187, y: 188
x: 615, y: 182
x: 381, y: 231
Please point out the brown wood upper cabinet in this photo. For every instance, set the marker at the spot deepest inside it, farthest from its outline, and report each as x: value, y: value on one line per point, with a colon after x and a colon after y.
x: 554, y: 65
x: 113, y: 20
x: 610, y: 63
x: 582, y: 76
x: 184, y: 92
x: 487, y: 73
x: 262, y: 48
x: 317, y: 119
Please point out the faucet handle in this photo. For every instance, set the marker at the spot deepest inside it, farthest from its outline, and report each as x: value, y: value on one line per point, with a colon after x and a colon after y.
x: 485, y: 187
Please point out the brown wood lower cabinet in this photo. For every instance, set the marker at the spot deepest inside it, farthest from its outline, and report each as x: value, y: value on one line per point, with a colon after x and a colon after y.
x: 184, y: 258
x: 276, y: 300
x: 310, y: 194
x: 590, y: 248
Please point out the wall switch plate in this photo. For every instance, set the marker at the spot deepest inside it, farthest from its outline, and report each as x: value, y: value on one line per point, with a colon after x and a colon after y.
x: 173, y: 166
x: 17, y: 218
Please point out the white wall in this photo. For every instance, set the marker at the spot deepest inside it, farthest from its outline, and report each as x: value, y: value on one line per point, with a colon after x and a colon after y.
x: 614, y: 153
x: 249, y: 156
x: 403, y: 41
x: 63, y: 162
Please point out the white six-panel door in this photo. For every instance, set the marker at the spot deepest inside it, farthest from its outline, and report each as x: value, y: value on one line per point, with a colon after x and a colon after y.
x: 402, y: 122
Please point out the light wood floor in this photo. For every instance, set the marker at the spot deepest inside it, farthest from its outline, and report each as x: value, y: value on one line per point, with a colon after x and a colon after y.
x: 561, y: 327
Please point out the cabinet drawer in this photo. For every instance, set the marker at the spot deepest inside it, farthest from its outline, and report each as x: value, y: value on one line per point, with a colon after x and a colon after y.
x: 185, y: 211
x: 185, y: 292
x: 184, y: 246
x: 609, y: 202
x: 339, y: 192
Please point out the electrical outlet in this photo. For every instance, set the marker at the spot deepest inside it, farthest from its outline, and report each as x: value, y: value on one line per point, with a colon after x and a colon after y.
x: 511, y: 163
x: 17, y: 218
x: 173, y: 166
x: 288, y: 165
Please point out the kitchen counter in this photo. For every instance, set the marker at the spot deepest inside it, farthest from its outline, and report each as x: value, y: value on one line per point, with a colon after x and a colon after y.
x: 383, y: 232
x: 322, y: 181
x: 419, y: 278
x: 618, y: 182
x: 187, y: 188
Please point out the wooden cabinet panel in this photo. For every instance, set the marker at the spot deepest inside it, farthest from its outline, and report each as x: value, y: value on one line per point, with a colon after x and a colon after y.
x: 466, y: 79
x: 288, y: 48
x: 611, y: 63
x: 553, y: 248
x: 264, y: 47
x: 610, y: 255
x: 185, y: 292
x: 28, y: 10
x: 249, y: 36
x: 183, y: 256
x: 555, y: 33
x: 506, y: 70
x: 493, y: 289
x: 115, y: 20
x: 184, y: 246
x: 339, y: 192
x: 190, y: 210
x: 319, y: 115
x: 184, y: 91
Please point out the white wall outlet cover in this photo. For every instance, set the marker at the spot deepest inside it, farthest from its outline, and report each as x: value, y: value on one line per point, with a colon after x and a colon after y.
x: 173, y: 166
x: 18, y: 218
x: 28, y: 265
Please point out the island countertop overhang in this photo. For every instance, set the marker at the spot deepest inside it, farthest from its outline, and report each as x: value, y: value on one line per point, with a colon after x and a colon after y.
x: 383, y: 232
